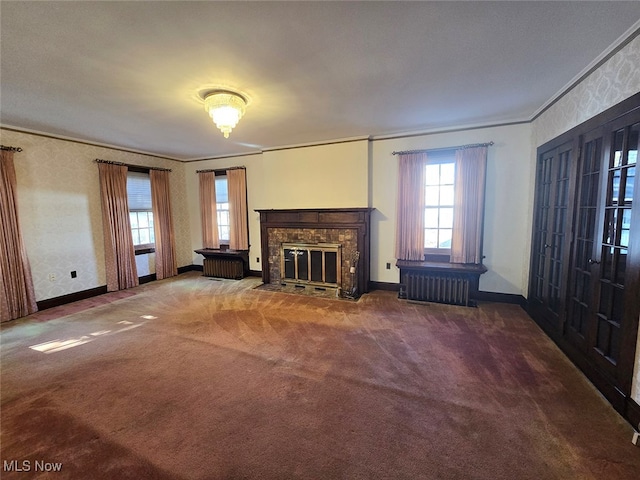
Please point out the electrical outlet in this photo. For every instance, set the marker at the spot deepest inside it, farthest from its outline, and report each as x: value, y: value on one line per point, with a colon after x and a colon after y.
x: 74, y: 274
x: 257, y: 259
x: 388, y: 266
x: 52, y: 277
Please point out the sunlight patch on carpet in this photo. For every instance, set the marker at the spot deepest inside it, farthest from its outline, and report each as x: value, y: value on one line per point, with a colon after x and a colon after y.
x: 59, y: 345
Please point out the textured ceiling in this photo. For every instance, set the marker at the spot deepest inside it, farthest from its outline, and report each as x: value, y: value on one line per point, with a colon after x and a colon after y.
x: 128, y: 74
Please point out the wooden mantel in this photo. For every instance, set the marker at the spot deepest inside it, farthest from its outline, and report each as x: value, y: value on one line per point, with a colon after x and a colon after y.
x: 357, y: 219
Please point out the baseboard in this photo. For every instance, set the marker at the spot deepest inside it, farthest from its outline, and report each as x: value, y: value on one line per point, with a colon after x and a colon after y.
x: 71, y: 297
x: 255, y: 273
x: 189, y: 268
x: 147, y: 278
x: 501, y: 298
x: 388, y: 286
x: 94, y: 292
x: 633, y: 413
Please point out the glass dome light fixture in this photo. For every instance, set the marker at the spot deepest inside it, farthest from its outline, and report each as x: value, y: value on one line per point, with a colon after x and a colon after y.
x: 226, y: 108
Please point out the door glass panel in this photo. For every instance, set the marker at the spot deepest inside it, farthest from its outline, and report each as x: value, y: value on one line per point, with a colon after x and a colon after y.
x: 607, y: 262
x: 603, y: 336
x: 606, y: 297
x: 615, y: 186
x: 617, y: 148
x: 611, y: 216
x: 618, y: 305
x: 621, y: 265
x: 632, y: 155
x: 316, y: 265
x: 303, y: 264
x: 628, y: 187
x: 289, y: 263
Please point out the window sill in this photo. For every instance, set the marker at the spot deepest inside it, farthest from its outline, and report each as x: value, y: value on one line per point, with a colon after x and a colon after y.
x: 144, y: 250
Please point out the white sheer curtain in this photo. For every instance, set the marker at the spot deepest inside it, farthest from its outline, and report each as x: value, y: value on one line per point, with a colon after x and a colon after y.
x: 468, y: 210
x: 410, y: 207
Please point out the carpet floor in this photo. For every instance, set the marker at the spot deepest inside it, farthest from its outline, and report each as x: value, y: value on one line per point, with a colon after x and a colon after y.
x: 189, y: 378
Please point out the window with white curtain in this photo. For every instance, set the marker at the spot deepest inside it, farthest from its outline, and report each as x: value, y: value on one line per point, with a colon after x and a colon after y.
x: 222, y: 207
x: 439, y: 196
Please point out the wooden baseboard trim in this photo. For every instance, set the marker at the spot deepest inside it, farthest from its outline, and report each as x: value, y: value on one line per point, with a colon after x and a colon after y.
x: 147, y: 278
x: 633, y: 413
x: 94, y: 292
x: 388, y: 286
x: 501, y: 298
x: 190, y: 268
x: 71, y: 297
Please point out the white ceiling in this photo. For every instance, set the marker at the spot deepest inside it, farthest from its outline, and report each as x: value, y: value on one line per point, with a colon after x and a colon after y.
x: 128, y: 74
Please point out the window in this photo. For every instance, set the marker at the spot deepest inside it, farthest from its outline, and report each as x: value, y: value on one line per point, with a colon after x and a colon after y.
x: 438, y: 214
x: 222, y: 205
x: 140, y: 211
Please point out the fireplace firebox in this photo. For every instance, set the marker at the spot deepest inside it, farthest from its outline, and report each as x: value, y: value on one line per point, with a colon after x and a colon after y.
x: 313, y: 264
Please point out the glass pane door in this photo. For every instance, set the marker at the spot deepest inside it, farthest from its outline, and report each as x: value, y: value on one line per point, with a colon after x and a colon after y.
x: 615, y: 243
x: 584, y: 250
x: 551, y: 239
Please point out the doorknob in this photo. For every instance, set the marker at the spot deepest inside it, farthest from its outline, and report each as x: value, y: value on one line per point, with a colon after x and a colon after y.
x: 591, y: 261
x: 546, y: 245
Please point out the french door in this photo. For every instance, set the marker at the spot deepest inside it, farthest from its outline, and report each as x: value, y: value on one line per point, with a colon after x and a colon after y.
x: 595, y: 311
x: 551, y: 236
x: 614, y: 320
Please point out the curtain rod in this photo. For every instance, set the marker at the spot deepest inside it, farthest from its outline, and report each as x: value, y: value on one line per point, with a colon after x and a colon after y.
x: 10, y: 149
x: 220, y: 169
x: 471, y: 145
x: 99, y: 160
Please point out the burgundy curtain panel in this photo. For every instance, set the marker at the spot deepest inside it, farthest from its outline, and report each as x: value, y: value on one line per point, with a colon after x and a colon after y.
x: 239, y: 234
x: 165, y: 244
x: 468, y: 207
x: 119, y: 252
x: 208, y: 210
x: 17, y: 295
x: 410, y: 207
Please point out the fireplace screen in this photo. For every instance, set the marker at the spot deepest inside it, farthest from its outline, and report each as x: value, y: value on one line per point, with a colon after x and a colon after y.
x: 314, y: 264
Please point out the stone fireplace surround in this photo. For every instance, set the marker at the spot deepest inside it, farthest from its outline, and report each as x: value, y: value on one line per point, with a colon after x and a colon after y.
x: 348, y: 227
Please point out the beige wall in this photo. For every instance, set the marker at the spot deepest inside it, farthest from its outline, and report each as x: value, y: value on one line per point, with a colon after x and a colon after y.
x: 323, y: 176
x: 60, y: 215
x: 507, y: 212
x: 614, y: 81
x: 363, y: 173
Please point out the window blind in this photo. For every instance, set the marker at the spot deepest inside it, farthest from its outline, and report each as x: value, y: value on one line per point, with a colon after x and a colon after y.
x: 139, y: 191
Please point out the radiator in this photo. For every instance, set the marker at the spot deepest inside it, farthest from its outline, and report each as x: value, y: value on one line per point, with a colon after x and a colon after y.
x: 430, y: 287
x: 223, y: 267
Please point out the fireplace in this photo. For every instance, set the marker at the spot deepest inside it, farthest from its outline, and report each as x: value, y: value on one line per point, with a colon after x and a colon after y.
x: 343, y: 232
x: 315, y: 264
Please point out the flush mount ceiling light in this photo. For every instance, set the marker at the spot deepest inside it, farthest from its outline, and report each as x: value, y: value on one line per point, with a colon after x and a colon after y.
x: 226, y: 108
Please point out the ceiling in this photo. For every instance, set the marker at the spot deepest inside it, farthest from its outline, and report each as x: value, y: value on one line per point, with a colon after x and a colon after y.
x: 129, y: 74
